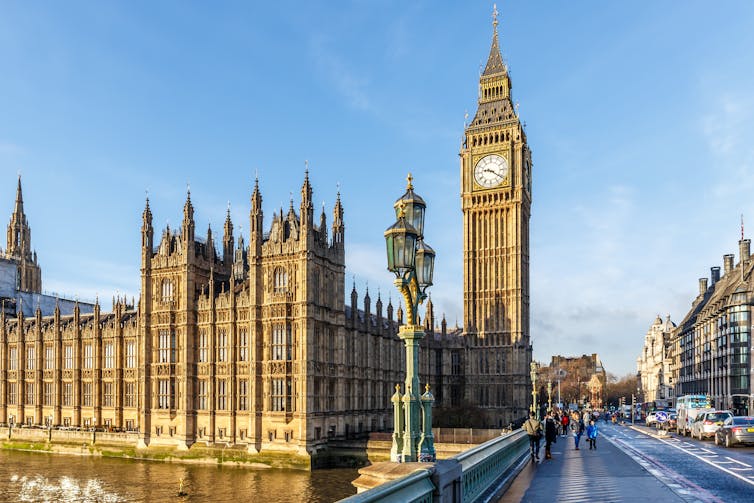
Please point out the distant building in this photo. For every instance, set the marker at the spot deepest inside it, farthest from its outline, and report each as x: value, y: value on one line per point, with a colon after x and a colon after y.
x: 581, y: 380
x: 21, y: 275
x: 711, y: 348
x: 654, y: 363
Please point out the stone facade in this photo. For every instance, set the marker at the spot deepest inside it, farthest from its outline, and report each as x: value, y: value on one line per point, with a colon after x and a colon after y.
x: 252, y: 344
x: 711, y: 349
x: 496, y: 200
x: 582, y: 379
x: 654, y: 363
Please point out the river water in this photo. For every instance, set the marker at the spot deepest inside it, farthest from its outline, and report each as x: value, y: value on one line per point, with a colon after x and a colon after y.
x: 26, y: 476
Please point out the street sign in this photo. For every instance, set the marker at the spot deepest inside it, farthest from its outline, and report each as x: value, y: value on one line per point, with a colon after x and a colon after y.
x: 661, y: 417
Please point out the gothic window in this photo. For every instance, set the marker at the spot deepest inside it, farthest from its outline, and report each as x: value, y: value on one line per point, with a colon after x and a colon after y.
x: 166, y: 346
x: 131, y: 354
x: 30, y: 357
x: 243, y: 394
x: 48, y: 393
x: 49, y: 357
x: 109, y: 356
x: 30, y: 393
x: 12, y: 358
x: 278, y: 395
x: 67, y: 394
x: 166, y: 394
x: 201, y: 396
x: 281, y: 342
x: 88, y: 362
x: 221, y: 395
x: 12, y: 393
x: 86, y: 394
x: 203, y: 346
x: 222, y: 346
x: 280, y: 278
x: 243, y: 345
x: 455, y: 363
x: 68, y: 356
x: 130, y: 395
x: 167, y: 290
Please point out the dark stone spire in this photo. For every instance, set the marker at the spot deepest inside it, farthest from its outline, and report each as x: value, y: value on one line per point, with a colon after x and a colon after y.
x: 495, y: 61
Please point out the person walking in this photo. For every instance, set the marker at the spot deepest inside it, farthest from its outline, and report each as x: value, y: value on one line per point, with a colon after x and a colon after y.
x: 591, y: 435
x: 551, y: 433
x: 533, y: 428
x: 577, y: 425
x: 564, y: 423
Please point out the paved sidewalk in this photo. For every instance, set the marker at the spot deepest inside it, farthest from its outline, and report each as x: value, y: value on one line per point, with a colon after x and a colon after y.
x: 603, y: 475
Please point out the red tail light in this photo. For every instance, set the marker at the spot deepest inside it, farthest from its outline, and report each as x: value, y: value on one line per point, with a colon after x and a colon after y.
x: 708, y: 422
x: 736, y: 429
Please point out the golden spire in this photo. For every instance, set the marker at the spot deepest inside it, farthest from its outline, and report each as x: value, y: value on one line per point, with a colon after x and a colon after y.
x: 494, y: 16
x: 409, y: 179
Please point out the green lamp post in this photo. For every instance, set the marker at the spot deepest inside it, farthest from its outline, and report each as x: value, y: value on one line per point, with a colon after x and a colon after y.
x: 412, y: 261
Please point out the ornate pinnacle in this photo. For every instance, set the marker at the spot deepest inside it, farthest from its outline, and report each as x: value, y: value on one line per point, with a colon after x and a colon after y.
x: 426, y: 388
x: 494, y: 16
x: 398, y: 388
x: 409, y: 179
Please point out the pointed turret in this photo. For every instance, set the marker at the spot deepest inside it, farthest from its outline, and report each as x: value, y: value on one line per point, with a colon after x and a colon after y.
x: 256, y: 221
x: 187, y: 230
x: 323, y: 225
x: 338, y: 229
x: 228, y: 241
x: 211, y: 256
x: 240, y: 263
x: 307, y: 206
x: 147, y: 232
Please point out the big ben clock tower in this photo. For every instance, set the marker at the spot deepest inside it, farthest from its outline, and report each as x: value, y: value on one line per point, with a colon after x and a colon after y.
x: 496, y: 201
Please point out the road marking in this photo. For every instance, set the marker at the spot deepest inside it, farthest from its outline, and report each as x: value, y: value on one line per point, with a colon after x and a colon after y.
x: 716, y: 465
x: 739, y: 462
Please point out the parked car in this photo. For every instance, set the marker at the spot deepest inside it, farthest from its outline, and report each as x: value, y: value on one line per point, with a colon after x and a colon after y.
x: 651, y: 419
x: 735, y: 430
x: 706, y: 423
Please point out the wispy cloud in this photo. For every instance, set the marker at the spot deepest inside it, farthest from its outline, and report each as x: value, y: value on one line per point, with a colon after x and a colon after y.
x: 335, y: 70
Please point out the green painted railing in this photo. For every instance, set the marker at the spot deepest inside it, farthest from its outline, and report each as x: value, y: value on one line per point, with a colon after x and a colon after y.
x: 468, y: 477
x: 485, y: 464
x: 416, y: 487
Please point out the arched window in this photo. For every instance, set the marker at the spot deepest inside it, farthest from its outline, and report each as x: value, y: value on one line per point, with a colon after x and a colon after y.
x: 280, y: 279
x: 167, y: 290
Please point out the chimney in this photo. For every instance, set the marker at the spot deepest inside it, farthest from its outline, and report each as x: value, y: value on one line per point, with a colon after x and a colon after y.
x: 727, y: 263
x: 702, y: 286
x: 744, y: 247
x: 715, y: 274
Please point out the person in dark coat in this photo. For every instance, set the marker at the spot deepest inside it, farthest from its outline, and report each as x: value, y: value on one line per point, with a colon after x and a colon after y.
x: 551, y: 433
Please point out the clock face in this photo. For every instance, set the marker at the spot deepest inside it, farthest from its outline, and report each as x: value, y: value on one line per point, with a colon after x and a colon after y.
x: 490, y: 171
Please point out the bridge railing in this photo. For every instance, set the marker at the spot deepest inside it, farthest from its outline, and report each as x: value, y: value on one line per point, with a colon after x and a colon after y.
x: 467, y: 477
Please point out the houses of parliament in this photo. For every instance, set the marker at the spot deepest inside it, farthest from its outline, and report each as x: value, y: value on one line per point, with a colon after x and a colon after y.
x: 252, y: 344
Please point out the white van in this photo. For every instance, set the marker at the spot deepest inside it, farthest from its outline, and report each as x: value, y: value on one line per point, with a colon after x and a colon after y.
x: 688, y: 407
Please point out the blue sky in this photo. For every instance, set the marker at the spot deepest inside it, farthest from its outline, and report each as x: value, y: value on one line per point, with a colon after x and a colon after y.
x: 639, y: 114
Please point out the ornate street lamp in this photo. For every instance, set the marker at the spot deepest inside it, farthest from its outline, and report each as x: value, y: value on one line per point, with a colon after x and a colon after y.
x: 412, y: 261
x: 549, y: 394
x: 533, y: 375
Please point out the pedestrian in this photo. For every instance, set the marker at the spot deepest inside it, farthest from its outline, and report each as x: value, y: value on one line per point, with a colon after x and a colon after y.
x: 591, y: 435
x: 577, y: 425
x: 533, y: 428
x: 551, y: 433
x: 564, y: 423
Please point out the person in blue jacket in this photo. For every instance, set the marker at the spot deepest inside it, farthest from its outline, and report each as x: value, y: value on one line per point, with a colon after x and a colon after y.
x: 591, y: 435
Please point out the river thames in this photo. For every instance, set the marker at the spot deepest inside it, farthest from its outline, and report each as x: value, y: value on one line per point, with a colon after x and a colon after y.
x: 26, y: 476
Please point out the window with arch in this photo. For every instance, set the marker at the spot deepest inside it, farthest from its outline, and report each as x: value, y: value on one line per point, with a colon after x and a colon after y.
x: 167, y: 290
x: 280, y: 280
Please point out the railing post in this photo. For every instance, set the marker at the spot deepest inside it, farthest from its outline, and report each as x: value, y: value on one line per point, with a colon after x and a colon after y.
x: 447, y: 479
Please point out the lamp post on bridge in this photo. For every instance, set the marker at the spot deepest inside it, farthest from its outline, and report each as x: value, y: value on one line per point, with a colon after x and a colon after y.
x: 412, y: 261
x: 549, y: 395
x: 533, y: 375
